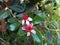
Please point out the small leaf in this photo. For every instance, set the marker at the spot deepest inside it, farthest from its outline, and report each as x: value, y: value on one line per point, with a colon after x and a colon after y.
x: 58, y: 38
x: 4, y: 14
x: 49, y: 37
x: 17, y: 8
x: 19, y: 15
x: 12, y: 20
x: 7, y: 43
x: 36, y: 38
x: 39, y: 34
x: 40, y: 14
x: 39, y: 17
x: 56, y: 24
x: 21, y: 32
x: 14, y: 26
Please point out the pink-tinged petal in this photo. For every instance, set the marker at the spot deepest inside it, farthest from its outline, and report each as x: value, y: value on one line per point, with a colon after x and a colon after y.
x: 27, y: 22
x: 23, y: 28
x: 33, y: 31
x: 28, y: 33
x: 30, y: 19
x: 23, y: 22
x: 31, y: 24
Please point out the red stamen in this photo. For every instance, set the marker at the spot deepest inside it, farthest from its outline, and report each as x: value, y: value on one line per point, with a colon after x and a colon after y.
x: 25, y: 16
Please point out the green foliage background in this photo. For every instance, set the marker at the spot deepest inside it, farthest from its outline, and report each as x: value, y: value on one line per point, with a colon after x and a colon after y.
x: 46, y: 20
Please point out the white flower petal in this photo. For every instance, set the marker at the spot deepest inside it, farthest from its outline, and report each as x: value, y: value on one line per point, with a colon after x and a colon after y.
x: 31, y: 24
x: 28, y: 33
x: 27, y: 22
x: 23, y: 28
x: 33, y: 31
x: 6, y: 8
x: 23, y: 22
x: 30, y: 19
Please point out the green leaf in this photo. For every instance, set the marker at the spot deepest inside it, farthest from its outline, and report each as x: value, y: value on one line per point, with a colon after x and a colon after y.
x: 49, y: 37
x: 12, y: 20
x: 56, y: 24
x: 19, y: 15
x: 14, y: 26
x: 57, y: 11
x: 7, y: 43
x: 37, y: 37
x: 39, y: 17
x: 18, y: 8
x: 40, y: 14
x: 21, y: 32
x: 37, y: 20
x: 4, y: 14
x: 58, y: 37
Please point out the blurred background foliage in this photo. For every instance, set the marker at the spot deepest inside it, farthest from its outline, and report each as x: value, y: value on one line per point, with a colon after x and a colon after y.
x: 46, y: 20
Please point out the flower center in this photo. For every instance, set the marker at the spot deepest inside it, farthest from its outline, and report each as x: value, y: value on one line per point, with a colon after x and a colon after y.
x: 25, y: 16
x: 28, y: 29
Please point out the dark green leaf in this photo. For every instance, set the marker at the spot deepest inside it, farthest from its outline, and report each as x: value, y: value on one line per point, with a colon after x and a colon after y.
x: 19, y: 15
x: 21, y: 32
x: 58, y: 38
x: 7, y: 43
x: 37, y: 37
x: 14, y: 26
x: 40, y: 14
x: 36, y: 20
x: 39, y: 17
x: 4, y: 14
x: 12, y: 20
x: 17, y: 8
x: 49, y: 37
x: 56, y: 24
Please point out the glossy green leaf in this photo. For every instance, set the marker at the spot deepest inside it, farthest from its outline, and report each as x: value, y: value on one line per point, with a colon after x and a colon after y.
x: 39, y: 34
x: 56, y: 24
x: 12, y: 20
x: 37, y: 37
x: 49, y: 37
x: 14, y: 26
x: 19, y: 15
x: 17, y: 8
x: 21, y: 32
x: 4, y: 14
x: 39, y: 17
x: 40, y: 14
x: 58, y: 37
x: 7, y: 43
x: 37, y: 20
